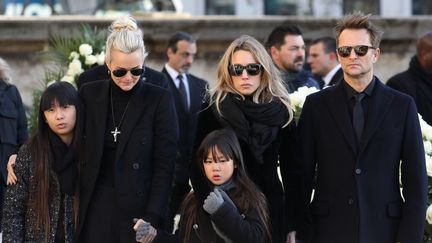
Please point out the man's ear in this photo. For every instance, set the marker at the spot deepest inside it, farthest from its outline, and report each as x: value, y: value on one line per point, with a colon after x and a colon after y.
x: 274, y: 52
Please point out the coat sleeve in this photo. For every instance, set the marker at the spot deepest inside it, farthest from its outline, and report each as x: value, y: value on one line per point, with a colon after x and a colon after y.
x: 239, y: 227
x: 207, y: 123
x: 308, y: 164
x: 22, y: 133
x: 15, y: 200
x: 290, y: 169
x: 414, y: 180
x: 165, y: 144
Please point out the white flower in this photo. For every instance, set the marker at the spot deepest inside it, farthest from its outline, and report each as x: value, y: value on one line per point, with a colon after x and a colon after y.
x: 75, y: 68
x: 90, y: 60
x: 69, y: 79
x: 85, y: 49
x: 429, y: 214
x: 298, y: 97
x: 426, y: 129
x: 73, y: 55
x: 100, y: 58
x: 427, y: 146
x: 429, y: 165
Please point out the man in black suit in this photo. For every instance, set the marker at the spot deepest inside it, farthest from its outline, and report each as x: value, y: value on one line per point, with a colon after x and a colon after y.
x: 360, y: 137
x: 102, y: 73
x: 417, y: 80
x: 323, y: 61
x: 188, y: 91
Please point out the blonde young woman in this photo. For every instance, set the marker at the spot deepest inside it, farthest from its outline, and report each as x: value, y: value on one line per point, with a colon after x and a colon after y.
x: 249, y: 98
x: 131, y: 135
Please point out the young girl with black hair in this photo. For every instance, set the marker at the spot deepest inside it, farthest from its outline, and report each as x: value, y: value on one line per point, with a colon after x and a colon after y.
x: 42, y: 205
x: 235, y: 211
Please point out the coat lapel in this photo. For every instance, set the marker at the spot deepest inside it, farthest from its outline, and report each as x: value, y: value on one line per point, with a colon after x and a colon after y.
x: 380, y: 103
x: 132, y: 117
x: 338, y: 109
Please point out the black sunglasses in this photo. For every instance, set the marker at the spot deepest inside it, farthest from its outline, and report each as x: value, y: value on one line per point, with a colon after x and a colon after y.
x: 251, y: 69
x: 122, y: 72
x: 360, y: 50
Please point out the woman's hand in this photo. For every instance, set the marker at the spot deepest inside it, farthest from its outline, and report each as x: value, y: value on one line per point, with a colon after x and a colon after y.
x: 11, y: 177
x: 145, y: 233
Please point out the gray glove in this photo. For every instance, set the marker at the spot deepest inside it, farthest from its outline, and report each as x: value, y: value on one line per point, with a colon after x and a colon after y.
x: 227, y: 198
x: 142, y: 230
x: 213, y: 201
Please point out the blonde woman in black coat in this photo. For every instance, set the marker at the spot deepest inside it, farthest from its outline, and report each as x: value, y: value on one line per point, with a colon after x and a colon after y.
x: 249, y: 97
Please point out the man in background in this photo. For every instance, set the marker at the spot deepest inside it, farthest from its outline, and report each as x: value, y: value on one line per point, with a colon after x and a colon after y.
x: 288, y: 51
x: 416, y: 81
x: 188, y: 91
x: 323, y: 61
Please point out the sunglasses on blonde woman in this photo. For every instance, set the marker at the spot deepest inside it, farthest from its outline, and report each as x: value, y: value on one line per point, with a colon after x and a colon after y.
x: 251, y: 69
x: 122, y: 72
x: 360, y: 50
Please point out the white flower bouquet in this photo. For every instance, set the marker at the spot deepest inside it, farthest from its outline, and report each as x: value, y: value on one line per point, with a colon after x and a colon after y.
x: 298, y: 98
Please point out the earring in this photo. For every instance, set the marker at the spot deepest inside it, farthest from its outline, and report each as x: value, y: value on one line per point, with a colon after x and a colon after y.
x: 109, y: 72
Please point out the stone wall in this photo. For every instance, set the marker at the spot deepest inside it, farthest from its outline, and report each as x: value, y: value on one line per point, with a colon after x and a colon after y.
x: 22, y: 38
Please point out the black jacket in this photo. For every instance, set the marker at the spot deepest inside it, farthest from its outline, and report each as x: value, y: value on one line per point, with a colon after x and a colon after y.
x: 237, y: 226
x: 145, y: 152
x: 13, y: 124
x: 187, y: 120
x: 418, y: 84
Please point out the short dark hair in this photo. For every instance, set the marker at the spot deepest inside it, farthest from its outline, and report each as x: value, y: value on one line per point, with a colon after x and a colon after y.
x: 329, y: 43
x: 179, y: 36
x: 357, y: 21
x: 277, y: 36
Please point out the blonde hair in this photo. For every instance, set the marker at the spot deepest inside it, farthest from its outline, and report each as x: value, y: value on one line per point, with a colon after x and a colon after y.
x: 4, y: 71
x: 125, y: 36
x: 271, y: 84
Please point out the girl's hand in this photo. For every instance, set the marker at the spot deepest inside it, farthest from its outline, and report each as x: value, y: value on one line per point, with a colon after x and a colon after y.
x: 11, y: 177
x: 213, y: 201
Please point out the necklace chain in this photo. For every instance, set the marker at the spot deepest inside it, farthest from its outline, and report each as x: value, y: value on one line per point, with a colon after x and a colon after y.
x: 116, y: 132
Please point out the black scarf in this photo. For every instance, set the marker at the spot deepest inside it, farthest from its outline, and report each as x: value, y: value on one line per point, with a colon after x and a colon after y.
x: 255, y: 124
x: 64, y: 164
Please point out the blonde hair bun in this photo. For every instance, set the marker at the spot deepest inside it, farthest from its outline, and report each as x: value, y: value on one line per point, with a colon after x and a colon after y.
x: 126, y: 23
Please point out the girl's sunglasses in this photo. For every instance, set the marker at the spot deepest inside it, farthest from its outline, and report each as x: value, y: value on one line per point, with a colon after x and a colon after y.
x: 360, y: 50
x: 122, y: 72
x: 251, y: 69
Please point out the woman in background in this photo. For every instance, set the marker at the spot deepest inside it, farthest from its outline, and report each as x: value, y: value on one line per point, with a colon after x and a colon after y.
x: 42, y: 205
x: 13, y: 124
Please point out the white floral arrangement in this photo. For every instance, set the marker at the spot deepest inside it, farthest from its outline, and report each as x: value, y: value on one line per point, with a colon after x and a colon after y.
x: 427, y: 142
x: 298, y: 98
x: 81, y: 61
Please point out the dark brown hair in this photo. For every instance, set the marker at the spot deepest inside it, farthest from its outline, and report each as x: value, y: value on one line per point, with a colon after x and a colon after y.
x: 358, y: 20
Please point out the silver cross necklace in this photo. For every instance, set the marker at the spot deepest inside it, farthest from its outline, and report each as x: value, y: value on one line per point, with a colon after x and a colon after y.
x: 116, y: 130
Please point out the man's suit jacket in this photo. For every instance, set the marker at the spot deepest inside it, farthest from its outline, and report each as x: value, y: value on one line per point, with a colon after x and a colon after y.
x: 145, y: 152
x: 357, y: 196
x: 187, y: 122
x: 101, y: 73
x: 337, y: 77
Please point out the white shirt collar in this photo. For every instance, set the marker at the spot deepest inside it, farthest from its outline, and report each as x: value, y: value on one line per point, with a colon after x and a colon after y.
x: 330, y: 75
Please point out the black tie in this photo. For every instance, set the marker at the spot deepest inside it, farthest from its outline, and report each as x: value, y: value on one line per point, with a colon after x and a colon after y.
x: 182, y: 91
x: 358, y: 115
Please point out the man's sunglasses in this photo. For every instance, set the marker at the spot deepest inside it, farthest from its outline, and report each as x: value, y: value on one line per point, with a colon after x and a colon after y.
x: 360, y: 50
x: 251, y: 69
x: 122, y: 72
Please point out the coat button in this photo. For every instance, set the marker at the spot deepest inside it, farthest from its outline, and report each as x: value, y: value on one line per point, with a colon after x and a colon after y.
x: 140, y: 193
x: 358, y: 171
x: 135, y: 166
x: 143, y: 140
x: 350, y: 201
